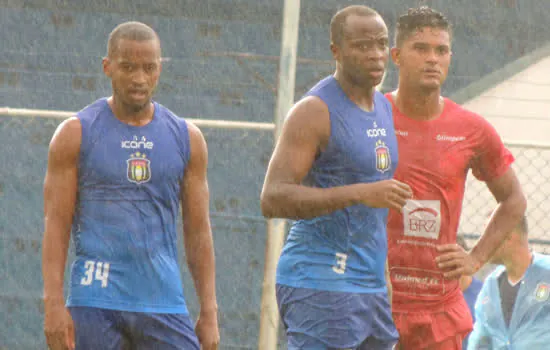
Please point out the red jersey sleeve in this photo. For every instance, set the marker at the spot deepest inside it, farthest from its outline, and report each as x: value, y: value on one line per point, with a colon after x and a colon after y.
x: 492, y: 158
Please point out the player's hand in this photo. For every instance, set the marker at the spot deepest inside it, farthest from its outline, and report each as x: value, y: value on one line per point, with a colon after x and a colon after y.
x: 58, y: 326
x: 207, y: 330
x: 386, y: 194
x: 456, y: 262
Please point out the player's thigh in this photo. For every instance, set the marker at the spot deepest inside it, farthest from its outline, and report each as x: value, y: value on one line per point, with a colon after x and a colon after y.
x: 163, y: 332
x: 97, y: 328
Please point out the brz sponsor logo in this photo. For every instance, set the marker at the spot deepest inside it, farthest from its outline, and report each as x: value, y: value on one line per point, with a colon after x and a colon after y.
x: 422, y: 218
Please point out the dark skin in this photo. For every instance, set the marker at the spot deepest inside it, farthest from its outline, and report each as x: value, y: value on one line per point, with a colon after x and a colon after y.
x: 423, y: 60
x: 360, y: 60
x: 134, y: 70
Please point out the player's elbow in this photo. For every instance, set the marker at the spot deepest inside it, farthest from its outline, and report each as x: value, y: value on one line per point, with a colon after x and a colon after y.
x: 516, y: 203
x: 267, y: 199
x: 273, y: 200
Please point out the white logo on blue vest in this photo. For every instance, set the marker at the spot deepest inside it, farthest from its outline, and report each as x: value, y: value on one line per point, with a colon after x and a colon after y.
x: 136, y: 143
x: 376, y: 131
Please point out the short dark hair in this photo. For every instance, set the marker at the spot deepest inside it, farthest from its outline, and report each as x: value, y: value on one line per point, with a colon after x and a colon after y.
x: 338, y: 21
x: 130, y: 31
x: 417, y: 18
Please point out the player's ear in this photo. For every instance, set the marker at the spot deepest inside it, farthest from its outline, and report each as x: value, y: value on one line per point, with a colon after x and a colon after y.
x: 335, y: 51
x: 395, y: 55
x: 106, y: 66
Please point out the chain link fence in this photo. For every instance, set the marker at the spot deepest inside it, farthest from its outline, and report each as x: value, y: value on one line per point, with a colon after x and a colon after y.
x: 532, y: 166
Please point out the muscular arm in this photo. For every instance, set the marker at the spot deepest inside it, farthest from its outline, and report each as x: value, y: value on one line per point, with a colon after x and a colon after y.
x: 305, y: 132
x: 510, y: 209
x: 198, y: 241
x: 60, y: 189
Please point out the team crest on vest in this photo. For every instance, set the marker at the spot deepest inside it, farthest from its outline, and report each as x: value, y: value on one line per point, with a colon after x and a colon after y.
x: 542, y: 292
x: 383, y: 159
x: 139, y: 168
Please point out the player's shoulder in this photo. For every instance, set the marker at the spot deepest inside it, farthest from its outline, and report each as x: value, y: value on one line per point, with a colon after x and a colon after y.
x: 167, y: 116
x: 308, y: 109
x: 93, y: 110
x: 463, y: 115
x: 165, y: 113
x: 383, y: 98
x: 69, y: 128
x: 327, y: 82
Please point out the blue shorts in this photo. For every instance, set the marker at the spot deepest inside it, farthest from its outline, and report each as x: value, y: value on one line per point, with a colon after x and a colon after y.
x: 322, y: 320
x: 105, y: 329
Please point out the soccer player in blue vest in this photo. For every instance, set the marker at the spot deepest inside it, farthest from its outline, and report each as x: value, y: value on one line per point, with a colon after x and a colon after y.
x: 332, y: 170
x: 116, y: 174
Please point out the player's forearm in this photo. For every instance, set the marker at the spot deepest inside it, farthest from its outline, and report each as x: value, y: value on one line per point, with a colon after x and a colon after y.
x: 199, y: 250
x: 506, y: 217
x: 55, y: 245
x: 291, y: 201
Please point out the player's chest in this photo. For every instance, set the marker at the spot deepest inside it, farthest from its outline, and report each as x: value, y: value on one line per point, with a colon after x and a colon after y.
x: 447, y: 153
x: 134, y: 158
x: 368, y: 147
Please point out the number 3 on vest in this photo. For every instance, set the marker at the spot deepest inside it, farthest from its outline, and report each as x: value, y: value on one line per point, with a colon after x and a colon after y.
x: 101, y: 273
x: 340, y: 267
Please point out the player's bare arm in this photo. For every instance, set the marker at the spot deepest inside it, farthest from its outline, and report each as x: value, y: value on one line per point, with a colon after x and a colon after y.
x: 199, y: 247
x: 510, y: 209
x: 305, y: 133
x: 60, y: 189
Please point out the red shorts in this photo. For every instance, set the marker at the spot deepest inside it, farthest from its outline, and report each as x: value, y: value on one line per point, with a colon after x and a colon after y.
x: 443, y: 329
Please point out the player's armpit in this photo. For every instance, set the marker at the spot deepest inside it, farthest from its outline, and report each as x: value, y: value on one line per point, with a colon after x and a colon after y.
x: 196, y: 221
x: 305, y: 133
x: 510, y: 210
x: 60, y: 189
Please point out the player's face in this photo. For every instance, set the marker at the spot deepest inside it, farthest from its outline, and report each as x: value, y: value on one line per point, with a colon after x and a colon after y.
x: 363, y: 52
x: 134, y: 70
x: 424, y: 58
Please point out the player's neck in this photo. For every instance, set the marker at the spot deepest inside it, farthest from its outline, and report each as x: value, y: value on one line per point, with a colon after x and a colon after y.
x: 362, y: 96
x: 419, y: 104
x: 131, y: 117
x: 517, y: 264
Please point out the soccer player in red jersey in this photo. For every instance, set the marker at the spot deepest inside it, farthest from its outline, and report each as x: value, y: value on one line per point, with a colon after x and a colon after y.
x: 438, y: 143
